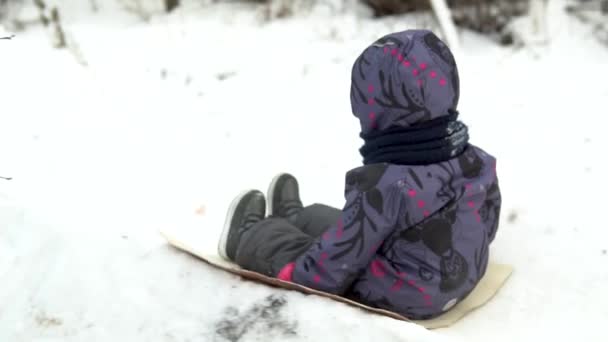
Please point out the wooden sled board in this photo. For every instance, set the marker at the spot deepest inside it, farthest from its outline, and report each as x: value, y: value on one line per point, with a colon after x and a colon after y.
x: 496, y: 276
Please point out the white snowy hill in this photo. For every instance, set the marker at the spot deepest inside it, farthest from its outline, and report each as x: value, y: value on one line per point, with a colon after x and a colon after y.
x: 144, y: 126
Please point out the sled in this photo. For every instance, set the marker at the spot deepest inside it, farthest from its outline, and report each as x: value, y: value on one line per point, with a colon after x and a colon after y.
x: 495, y: 277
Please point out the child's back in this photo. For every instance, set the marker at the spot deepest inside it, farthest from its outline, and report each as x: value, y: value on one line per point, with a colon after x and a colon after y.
x: 440, y: 220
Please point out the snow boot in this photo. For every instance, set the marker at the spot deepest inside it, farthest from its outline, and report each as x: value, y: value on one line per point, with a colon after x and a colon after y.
x: 284, y: 196
x: 246, y: 210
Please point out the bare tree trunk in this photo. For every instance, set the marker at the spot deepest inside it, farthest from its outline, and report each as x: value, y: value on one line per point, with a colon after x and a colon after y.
x: 41, y: 7
x: 54, y: 20
x: 538, y: 16
x: 170, y: 5
x: 59, y: 35
x: 444, y: 17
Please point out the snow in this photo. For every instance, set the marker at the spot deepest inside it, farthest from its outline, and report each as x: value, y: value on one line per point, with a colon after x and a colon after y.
x: 173, y: 117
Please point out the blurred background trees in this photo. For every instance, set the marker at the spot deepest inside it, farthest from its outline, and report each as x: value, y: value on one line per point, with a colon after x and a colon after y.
x: 489, y: 17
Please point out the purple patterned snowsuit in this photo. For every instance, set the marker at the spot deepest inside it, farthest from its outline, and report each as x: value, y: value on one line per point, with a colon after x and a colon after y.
x: 411, y: 239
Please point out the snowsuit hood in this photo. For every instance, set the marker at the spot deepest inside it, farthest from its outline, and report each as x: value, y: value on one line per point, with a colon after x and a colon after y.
x: 402, y: 80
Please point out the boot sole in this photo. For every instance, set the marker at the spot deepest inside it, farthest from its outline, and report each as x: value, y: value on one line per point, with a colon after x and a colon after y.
x: 221, y: 247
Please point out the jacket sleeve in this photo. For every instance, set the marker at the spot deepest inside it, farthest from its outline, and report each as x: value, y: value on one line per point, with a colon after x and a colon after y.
x: 343, y: 252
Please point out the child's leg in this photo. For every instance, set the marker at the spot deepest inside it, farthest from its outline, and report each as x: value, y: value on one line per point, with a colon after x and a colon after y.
x: 315, y: 219
x: 271, y: 244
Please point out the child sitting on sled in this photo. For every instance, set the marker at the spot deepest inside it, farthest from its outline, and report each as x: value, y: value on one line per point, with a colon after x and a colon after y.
x: 420, y: 213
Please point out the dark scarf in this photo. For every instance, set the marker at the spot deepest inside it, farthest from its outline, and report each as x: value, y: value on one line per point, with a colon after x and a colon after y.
x: 430, y: 142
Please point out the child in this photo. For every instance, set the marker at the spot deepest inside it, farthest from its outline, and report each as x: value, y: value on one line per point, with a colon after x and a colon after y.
x: 420, y: 214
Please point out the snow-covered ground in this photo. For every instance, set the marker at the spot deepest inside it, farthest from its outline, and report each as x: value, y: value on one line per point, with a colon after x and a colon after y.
x: 172, y: 118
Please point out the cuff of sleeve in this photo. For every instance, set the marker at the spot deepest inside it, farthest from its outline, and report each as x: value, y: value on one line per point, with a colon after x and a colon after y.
x: 286, y: 272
